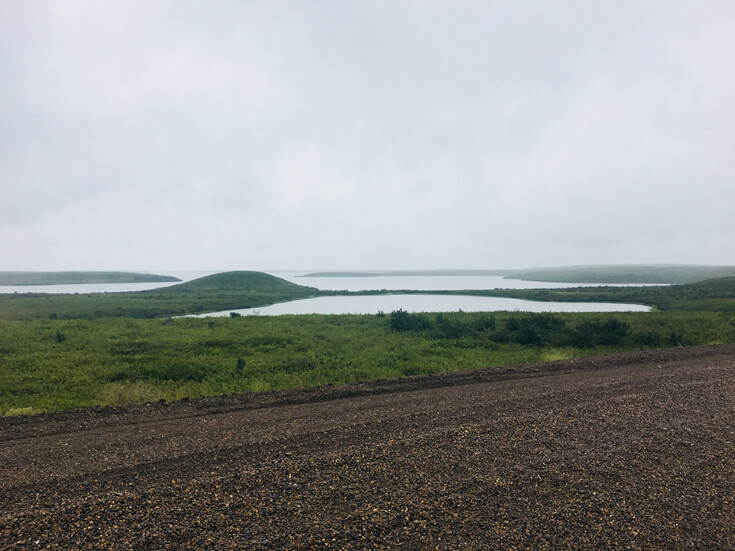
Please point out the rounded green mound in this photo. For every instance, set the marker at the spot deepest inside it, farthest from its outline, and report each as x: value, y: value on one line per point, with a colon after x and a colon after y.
x: 239, y: 281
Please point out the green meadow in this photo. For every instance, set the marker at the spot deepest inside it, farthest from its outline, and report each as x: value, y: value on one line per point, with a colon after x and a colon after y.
x: 47, y: 365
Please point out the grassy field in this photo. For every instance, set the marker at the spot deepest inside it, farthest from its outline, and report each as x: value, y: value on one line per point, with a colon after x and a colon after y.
x: 55, y: 364
x: 70, y: 278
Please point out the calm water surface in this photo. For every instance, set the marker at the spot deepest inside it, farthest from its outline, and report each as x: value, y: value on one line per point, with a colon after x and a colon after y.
x: 423, y: 303
x: 397, y: 283
x: 372, y: 304
x: 423, y: 283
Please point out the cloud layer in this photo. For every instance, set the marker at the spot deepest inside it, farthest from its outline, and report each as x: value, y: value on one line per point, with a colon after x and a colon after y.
x: 295, y: 135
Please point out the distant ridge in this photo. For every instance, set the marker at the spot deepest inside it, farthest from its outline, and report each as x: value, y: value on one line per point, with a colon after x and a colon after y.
x: 632, y: 273
x: 602, y: 274
x: 75, y: 278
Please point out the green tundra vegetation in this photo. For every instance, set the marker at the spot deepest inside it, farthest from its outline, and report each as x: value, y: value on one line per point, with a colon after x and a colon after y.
x: 47, y: 365
x: 66, y: 351
x: 69, y: 278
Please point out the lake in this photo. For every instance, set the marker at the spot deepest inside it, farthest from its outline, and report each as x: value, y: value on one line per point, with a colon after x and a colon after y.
x: 424, y: 283
x: 423, y: 303
x: 419, y: 283
x: 372, y: 304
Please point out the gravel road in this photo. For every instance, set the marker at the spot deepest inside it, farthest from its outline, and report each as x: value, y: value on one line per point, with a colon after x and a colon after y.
x: 632, y: 451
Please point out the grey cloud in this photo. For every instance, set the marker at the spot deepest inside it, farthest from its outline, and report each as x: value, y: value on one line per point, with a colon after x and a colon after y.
x: 385, y: 134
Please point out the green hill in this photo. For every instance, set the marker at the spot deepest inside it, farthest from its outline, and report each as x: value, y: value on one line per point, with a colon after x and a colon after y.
x: 239, y: 281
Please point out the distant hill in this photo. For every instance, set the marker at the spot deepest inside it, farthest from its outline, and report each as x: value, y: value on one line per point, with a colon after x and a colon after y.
x: 72, y: 278
x: 672, y: 274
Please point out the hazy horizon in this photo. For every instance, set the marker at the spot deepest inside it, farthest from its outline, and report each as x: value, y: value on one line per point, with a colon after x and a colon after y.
x: 382, y: 271
x: 168, y: 136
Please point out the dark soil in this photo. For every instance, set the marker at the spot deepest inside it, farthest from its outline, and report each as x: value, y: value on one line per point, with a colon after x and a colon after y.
x: 633, y: 451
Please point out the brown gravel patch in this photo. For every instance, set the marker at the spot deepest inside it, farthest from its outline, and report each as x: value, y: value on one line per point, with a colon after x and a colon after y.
x: 632, y: 451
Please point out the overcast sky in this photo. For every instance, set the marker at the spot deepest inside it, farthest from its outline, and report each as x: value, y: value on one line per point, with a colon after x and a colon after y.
x: 179, y: 135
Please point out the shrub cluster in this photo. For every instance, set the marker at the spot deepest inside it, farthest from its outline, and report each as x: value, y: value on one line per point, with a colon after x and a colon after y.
x: 594, y: 333
x: 400, y: 320
x: 533, y: 329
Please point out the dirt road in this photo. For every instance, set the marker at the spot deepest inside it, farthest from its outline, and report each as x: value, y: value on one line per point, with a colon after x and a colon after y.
x: 635, y: 451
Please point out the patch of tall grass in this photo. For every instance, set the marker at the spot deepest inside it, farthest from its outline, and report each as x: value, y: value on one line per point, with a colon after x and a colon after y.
x: 120, y: 360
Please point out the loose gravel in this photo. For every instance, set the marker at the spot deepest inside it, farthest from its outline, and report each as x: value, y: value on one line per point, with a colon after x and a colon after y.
x: 632, y: 451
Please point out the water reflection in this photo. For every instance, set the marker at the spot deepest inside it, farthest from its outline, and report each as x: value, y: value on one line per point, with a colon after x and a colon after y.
x: 424, y: 303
